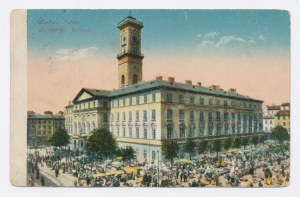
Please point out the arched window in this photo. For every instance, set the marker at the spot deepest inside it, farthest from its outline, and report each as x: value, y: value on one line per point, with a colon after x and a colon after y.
x: 135, y: 79
x: 93, y: 126
x: 88, y: 128
x: 83, y: 128
x: 75, y: 128
x: 122, y: 79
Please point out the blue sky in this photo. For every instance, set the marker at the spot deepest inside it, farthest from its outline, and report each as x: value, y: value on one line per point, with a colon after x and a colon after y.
x: 165, y: 30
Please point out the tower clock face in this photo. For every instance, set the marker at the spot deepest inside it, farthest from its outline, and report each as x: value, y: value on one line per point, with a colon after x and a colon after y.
x: 134, y: 39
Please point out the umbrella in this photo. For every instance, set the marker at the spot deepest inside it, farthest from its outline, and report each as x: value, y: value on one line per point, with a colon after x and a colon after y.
x: 114, y: 172
x: 185, y: 161
x: 200, y: 170
x: 98, y: 175
x: 209, y: 171
x: 267, y: 163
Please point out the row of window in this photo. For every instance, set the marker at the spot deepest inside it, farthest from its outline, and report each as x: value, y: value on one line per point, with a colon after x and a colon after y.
x: 91, y: 104
x: 211, y: 102
x: 130, y: 116
x: 226, y: 115
x: 121, y: 102
x: 134, y: 134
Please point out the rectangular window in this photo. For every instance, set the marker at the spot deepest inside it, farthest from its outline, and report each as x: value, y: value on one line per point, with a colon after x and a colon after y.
x: 123, y: 101
x: 192, y: 116
x: 153, y: 97
x: 210, y: 116
x: 202, y: 116
x: 118, y: 102
x: 124, y: 131
x: 145, y: 133
x: 137, y: 100
x: 192, y: 132
x: 145, y: 98
x: 105, y: 117
x: 192, y: 100
x: 233, y: 128
x: 118, y: 131
x: 181, y: 132
x: 181, y: 114
x: 218, y: 116
x: 153, y: 155
x: 233, y: 117
x: 153, y: 133
x: 202, y: 129
x: 210, y: 102
x: 201, y: 100
x: 181, y: 99
x: 130, y: 116
x: 153, y: 114
x: 118, y: 116
x: 169, y: 132
x: 137, y: 116
x: 169, y: 114
x: 130, y: 131
x: 225, y: 103
x: 169, y: 98
x: 89, y: 105
x: 130, y: 101
x: 218, y: 103
x: 144, y: 115
x: 137, y: 132
x: 124, y: 117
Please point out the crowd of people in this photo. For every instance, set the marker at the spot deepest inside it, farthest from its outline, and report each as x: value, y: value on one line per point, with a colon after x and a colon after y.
x: 265, y: 165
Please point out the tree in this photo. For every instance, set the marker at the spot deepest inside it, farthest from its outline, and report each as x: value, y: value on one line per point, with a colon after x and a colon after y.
x: 255, y: 140
x: 245, y: 142
x: 237, y: 143
x: 280, y: 134
x: 102, y: 143
x: 59, y: 139
x: 170, y: 150
x: 228, y: 142
x: 202, y: 147
x: 262, y: 139
x: 190, y: 147
x: 217, y: 146
x: 127, y: 153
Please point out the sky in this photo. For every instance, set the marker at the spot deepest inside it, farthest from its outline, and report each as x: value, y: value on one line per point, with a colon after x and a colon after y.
x: 244, y: 49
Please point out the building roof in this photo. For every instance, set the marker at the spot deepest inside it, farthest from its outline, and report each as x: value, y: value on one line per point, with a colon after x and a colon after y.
x: 45, y: 116
x: 273, y: 107
x: 283, y: 113
x: 268, y: 116
x: 160, y: 84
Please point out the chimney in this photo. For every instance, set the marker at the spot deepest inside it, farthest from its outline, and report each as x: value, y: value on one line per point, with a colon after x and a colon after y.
x: 199, y: 83
x: 159, y: 78
x: 189, y: 82
x: 171, y: 79
x: 48, y: 112
x: 215, y: 87
x: 60, y: 113
x: 233, y: 90
x: 30, y: 112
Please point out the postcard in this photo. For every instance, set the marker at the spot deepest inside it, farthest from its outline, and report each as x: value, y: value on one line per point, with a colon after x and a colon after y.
x: 150, y: 98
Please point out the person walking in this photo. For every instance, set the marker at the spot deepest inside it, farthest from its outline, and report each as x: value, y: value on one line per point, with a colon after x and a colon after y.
x: 56, y: 172
x: 42, y: 181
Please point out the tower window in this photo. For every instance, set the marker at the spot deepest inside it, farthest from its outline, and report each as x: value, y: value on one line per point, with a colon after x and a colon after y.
x: 123, y: 80
x: 135, y: 79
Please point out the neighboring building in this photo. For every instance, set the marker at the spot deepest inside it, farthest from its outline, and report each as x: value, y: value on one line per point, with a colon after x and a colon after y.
x: 41, y: 126
x: 283, y: 118
x: 276, y: 115
x: 143, y: 114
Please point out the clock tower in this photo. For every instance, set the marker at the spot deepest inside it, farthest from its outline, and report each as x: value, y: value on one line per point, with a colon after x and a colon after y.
x: 130, y: 69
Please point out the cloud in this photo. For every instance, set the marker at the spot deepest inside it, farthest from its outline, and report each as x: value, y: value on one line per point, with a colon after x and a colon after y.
x: 70, y: 54
x: 261, y: 37
x: 227, y: 39
x: 223, y: 41
x: 208, y: 35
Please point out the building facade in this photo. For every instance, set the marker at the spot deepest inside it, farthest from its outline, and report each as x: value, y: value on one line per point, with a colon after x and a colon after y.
x: 143, y: 114
x: 276, y: 115
x: 41, y: 126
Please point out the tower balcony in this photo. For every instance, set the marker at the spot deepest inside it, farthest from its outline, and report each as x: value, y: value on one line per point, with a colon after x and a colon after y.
x: 130, y: 54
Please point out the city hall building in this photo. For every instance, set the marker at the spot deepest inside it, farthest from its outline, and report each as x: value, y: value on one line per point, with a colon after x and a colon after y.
x: 143, y: 114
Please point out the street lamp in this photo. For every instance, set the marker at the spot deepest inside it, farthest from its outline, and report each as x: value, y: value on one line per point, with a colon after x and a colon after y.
x: 157, y: 168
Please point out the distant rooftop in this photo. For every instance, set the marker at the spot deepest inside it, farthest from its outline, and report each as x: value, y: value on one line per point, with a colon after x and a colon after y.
x: 160, y: 84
